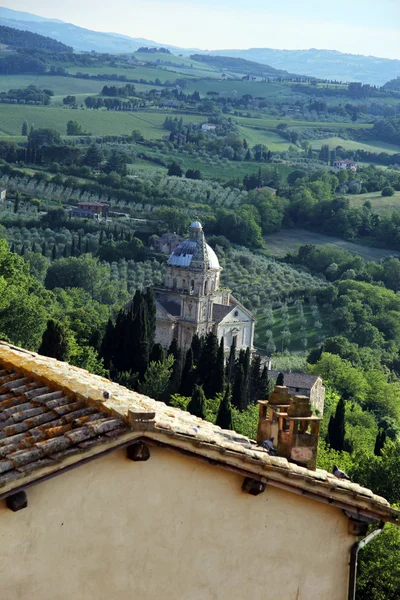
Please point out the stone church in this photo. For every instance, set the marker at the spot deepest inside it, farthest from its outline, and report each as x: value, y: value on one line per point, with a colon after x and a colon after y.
x: 191, y: 300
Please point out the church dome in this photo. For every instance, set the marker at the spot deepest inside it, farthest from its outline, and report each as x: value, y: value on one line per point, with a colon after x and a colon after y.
x: 194, y: 251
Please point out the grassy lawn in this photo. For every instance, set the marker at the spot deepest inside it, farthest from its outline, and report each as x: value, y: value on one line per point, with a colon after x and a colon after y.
x: 371, y: 146
x: 313, y: 334
x: 288, y: 240
x: 380, y: 204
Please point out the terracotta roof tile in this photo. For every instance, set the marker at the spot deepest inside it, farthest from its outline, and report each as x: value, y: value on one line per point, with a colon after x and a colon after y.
x: 67, y: 415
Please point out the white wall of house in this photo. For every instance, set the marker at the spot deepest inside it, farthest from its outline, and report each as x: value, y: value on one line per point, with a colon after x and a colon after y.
x: 173, y: 528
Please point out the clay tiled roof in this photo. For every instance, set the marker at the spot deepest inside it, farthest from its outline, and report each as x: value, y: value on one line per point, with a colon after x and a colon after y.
x: 173, y: 308
x: 295, y: 380
x: 220, y: 311
x: 53, y: 415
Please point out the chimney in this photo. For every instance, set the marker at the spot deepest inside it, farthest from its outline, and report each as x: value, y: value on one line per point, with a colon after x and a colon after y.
x: 298, y: 436
x: 270, y: 412
x: 289, y: 420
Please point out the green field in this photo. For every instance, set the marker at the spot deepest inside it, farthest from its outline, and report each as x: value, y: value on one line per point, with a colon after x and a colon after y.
x: 371, y: 146
x: 178, y: 61
x: 255, y: 88
x: 145, y: 73
x: 97, y: 122
x: 213, y: 168
x: 59, y: 85
x: 381, y: 205
x: 288, y: 240
x: 293, y: 124
x: 269, y: 138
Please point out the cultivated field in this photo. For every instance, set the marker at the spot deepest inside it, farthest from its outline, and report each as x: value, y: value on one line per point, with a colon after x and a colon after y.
x: 96, y: 122
x: 371, y: 146
x: 380, y: 204
x: 268, y: 137
x: 60, y: 85
x: 288, y: 240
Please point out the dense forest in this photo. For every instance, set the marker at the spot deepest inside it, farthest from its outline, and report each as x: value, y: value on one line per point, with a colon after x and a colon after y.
x: 26, y: 39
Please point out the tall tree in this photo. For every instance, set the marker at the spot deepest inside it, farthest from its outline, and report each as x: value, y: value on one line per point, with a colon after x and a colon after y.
x: 224, y: 416
x: 188, y: 375
x: 107, y: 345
x: 336, y: 427
x: 197, y: 405
x: 150, y: 315
x: 280, y: 379
x: 379, y: 442
x: 255, y: 379
x: 196, y: 347
x: 24, y: 130
x: 219, y: 371
x: 207, y: 365
x: 55, y: 341
x: 239, y: 396
x: 176, y: 376
x: 230, y: 366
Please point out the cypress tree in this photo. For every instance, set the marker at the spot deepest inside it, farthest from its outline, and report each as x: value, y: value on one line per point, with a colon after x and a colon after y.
x: 263, y: 392
x: 107, y: 345
x: 54, y: 252
x: 34, y: 247
x: 280, y: 379
x: 230, y: 367
x: 23, y: 250
x: 148, y: 297
x: 176, y: 376
x: 188, y: 375
x: 173, y: 348
x: 336, y: 427
x: 87, y: 246
x: 44, y: 248
x: 379, y: 442
x: 65, y: 251
x: 80, y: 244
x: 137, y: 338
x: 73, y: 247
x: 101, y: 238
x: 157, y: 353
x: 24, y: 130
x: 197, y: 405
x: 55, y: 341
x: 224, y: 416
x: 239, y: 399
x: 12, y: 249
x: 206, y: 369
x: 219, y: 372
x: 196, y: 347
x: 255, y: 380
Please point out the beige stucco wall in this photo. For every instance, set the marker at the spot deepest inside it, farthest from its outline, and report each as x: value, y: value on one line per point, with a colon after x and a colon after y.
x: 171, y: 528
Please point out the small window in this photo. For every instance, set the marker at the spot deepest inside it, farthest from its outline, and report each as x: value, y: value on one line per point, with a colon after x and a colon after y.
x: 236, y: 313
x: 297, y: 389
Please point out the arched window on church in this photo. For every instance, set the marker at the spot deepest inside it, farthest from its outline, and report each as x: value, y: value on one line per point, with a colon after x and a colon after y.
x: 212, y: 286
x: 205, y: 287
x: 192, y: 286
x: 183, y: 284
x: 174, y: 283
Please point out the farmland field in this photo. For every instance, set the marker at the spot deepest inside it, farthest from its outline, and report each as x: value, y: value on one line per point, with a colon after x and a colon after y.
x: 270, y: 138
x: 59, y: 85
x: 97, y: 122
x: 293, y: 124
x: 288, y: 240
x: 370, y: 146
x: 255, y: 88
x: 380, y: 204
x: 314, y: 334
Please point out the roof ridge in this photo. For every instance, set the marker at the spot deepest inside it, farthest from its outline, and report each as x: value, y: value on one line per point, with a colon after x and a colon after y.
x: 132, y: 412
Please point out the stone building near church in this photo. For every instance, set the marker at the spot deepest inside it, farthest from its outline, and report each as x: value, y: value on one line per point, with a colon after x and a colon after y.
x: 192, y: 301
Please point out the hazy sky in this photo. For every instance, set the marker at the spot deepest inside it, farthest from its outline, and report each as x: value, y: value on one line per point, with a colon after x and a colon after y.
x: 356, y: 26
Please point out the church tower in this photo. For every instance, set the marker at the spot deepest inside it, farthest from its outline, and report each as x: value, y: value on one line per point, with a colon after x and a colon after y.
x: 191, y: 300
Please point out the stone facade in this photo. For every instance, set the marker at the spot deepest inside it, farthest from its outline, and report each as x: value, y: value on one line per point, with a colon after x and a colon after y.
x: 191, y: 300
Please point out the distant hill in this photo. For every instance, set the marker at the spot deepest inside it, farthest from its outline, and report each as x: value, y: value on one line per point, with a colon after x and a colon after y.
x: 394, y: 85
x: 71, y: 35
x: 239, y: 65
x: 28, y: 40
x: 322, y: 64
